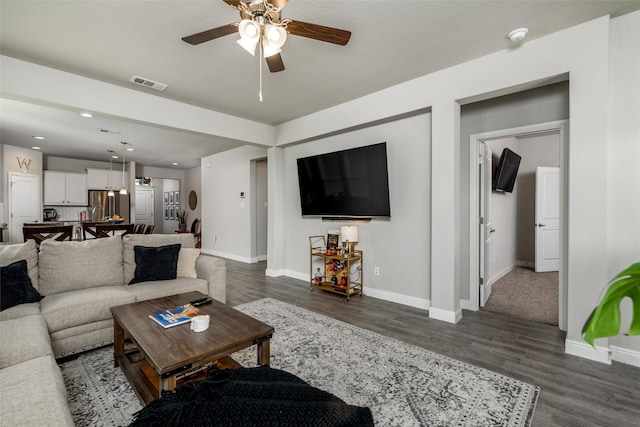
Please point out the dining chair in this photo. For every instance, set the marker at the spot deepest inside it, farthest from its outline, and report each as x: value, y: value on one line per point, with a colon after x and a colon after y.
x: 40, y: 233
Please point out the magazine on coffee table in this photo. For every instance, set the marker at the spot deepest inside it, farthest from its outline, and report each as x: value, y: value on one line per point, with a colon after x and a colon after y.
x: 176, y: 316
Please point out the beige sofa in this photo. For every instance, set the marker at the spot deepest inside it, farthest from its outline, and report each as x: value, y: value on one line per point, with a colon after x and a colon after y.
x: 80, y: 281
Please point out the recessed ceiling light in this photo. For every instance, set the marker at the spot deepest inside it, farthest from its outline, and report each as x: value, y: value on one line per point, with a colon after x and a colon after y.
x: 174, y: 164
x: 518, y: 34
x: 36, y: 148
x: 130, y: 149
x: 87, y: 115
x: 38, y: 137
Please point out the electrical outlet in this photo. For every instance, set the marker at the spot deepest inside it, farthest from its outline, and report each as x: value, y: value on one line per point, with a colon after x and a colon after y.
x: 376, y: 271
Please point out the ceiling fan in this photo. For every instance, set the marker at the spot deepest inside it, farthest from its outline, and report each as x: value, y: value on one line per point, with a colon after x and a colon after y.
x: 263, y: 26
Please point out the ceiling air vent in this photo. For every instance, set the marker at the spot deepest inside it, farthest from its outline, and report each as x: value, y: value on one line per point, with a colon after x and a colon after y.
x: 148, y: 83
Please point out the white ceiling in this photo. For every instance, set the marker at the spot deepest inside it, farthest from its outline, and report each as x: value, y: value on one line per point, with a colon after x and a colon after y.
x: 392, y: 42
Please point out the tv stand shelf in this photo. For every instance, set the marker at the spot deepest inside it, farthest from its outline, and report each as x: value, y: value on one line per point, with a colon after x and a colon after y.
x: 347, y: 269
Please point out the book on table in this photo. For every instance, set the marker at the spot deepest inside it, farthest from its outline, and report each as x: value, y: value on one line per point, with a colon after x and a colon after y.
x: 176, y: 316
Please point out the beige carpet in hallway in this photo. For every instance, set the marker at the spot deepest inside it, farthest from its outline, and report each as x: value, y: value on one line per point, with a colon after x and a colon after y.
x: 526, y: 294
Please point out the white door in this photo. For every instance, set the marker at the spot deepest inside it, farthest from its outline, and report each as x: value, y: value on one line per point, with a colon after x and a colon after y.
x: 547, y: 235
x: 144, y: 206
x: 24, y: 203
x: 485, y: 224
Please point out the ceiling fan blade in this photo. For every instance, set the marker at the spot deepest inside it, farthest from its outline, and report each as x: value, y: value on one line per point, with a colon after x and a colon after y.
x: 275, y: 63
x: 233, y: 3
x: 278, y: 3
x: 214, y: 33
x: 319, y: 32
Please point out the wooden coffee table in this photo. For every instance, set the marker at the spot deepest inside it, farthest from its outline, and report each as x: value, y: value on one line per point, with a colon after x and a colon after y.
x: 155, y: 359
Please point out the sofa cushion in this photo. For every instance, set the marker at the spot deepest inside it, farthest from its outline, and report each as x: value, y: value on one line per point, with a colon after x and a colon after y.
x: 129, y: 241
x: 155, y: 263
x: 187, y: 262
x: 27, y: 251
x: 21, y: 310
x: 15, y: 286
x: 82, y: 338
x: 23, y: 339
x: 68, y: 309
x: 33, y: 394
x: 66, y: 266
x: 163, y: 288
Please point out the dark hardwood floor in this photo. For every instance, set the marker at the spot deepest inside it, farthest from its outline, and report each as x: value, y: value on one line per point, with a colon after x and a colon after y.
x: 574, y: 391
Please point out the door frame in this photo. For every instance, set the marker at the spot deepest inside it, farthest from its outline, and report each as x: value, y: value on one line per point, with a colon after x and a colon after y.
x: 560, y: 126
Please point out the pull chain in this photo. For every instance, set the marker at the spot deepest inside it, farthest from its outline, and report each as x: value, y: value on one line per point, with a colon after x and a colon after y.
x: 260, y: 68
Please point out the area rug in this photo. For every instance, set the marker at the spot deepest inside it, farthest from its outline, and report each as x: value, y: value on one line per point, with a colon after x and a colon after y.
x: 404, y: 385
x: 99, y: 394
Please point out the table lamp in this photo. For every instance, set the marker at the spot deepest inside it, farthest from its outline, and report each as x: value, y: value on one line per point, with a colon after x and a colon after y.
x: 349, y: 235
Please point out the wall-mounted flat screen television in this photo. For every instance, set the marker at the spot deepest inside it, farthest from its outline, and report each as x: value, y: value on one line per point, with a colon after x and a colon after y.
x: 349, y: 183
x: 505, y: 175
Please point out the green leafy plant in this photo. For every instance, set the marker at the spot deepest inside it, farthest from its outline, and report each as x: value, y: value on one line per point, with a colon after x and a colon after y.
x: 182, y: 216
x: 604, y: 320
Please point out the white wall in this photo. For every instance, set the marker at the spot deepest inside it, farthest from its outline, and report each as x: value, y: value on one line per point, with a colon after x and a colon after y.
x: 536, y: 150
x: 226, y: 229
x: 192, y: 182
x: 10, y: 156
x: 622, y: 149
x: 504, y: 218
x: 399, y: 246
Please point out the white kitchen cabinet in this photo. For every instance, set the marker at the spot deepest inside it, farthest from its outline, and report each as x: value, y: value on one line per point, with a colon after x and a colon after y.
x: 98, y: 179
x: 65, y: 188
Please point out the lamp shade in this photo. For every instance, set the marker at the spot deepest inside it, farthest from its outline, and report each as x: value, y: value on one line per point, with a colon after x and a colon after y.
x: 349, y: 233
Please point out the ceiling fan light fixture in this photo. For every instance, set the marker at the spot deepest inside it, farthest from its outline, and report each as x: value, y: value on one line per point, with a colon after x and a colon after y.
x: 248, y: 45
x: 276, y: 34
x: 269, y: 49
x: 249, y: 30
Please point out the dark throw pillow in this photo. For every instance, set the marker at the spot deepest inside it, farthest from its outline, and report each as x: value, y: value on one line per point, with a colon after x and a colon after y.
x: 155, y: 263
x: 15, y: 286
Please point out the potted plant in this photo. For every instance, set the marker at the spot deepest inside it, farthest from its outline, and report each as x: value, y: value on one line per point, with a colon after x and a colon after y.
x: 604, y: 320
x: 182, y: 219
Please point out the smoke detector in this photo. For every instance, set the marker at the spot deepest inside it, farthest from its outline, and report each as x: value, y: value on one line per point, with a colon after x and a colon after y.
x: 518, y: 34
x: 148, y: 83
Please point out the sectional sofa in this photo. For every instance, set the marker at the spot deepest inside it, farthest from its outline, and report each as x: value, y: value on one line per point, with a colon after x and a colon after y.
x: 56, y: 300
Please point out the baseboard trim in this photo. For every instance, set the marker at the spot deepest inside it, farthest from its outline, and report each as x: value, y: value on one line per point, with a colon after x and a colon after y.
x: 625, y: 355
x: 229, y: 256
x: 584, y: 350
x: 273, y: 273
x: 528, y: 264
x: 445, y: 315
x: 415, y: 302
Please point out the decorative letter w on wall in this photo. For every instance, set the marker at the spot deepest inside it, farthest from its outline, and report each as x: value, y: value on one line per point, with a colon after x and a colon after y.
x: 23, y: 163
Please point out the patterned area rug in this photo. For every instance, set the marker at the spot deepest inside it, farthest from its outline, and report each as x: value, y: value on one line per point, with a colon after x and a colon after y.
x: 403, y: 385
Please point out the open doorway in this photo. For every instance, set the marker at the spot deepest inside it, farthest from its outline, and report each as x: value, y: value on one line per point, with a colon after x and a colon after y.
x: 503, y: 235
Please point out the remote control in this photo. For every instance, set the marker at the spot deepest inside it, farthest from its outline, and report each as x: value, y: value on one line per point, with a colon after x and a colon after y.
x: 199, y: 300
x: 199, y: 303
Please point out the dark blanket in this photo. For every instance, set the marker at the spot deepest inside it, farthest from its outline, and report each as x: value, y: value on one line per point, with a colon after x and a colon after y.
x: 251, y: 397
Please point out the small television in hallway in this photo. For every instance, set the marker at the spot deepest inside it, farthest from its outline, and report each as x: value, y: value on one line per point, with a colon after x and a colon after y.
x: 506, y: 172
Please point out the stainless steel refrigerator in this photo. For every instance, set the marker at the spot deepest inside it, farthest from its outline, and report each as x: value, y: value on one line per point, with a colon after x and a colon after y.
x: 101, y: 205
